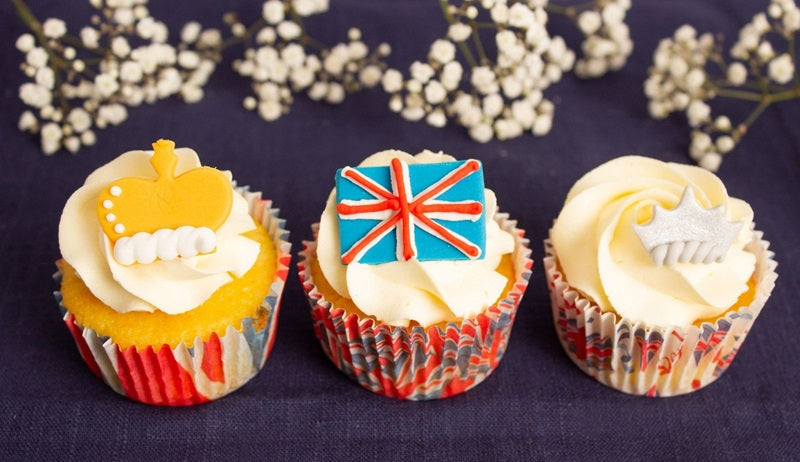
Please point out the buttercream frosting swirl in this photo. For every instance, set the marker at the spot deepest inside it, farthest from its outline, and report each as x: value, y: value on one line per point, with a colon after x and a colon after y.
x: 173, y: 285
x: 427, y: 292
x: 601, y: 255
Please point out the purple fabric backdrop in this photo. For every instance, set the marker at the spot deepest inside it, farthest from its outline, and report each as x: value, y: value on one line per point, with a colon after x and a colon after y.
x: 536, y: 406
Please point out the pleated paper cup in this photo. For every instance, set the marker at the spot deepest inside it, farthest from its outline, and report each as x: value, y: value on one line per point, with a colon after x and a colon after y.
x: 644, y: 359
x: 418, y: 363
x: 205, y: 369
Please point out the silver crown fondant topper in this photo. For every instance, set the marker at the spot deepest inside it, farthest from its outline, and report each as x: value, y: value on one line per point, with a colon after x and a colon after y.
x: 687, y: 233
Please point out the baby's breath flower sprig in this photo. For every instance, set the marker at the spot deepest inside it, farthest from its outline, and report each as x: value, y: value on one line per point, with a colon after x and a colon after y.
x: 502, y: 96
x: 84, y: 83
x: 282, y: 59
x: 606, y: 42
x: 689, y: 71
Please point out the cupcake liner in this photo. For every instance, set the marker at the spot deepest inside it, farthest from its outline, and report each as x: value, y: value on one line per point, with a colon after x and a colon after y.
x: 203, y: 370
x: 643, y: 359
x: 417, y: 363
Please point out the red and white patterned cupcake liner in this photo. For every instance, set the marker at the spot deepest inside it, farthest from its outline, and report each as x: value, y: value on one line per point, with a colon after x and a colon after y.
x: 418, y: 363
x: 643, y: 359
x: 206, y: 369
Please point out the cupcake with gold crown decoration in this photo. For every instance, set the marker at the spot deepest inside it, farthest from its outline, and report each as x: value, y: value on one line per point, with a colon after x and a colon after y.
x: 656, y: 275
x: 414, y: 278
x: 171, y: 276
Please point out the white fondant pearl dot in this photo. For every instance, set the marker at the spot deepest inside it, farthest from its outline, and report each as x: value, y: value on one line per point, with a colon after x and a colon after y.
x: 107, y: 204
x: 119, y: 228
x: 115, y: 191
x: 111, y: 217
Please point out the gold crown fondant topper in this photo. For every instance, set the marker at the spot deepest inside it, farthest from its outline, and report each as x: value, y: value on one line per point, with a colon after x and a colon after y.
x: 198, y: 198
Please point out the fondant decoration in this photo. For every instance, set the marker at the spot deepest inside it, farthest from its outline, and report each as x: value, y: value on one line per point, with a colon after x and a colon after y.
x: 164, y: 244
x: 436, y: 211
x: 688, y: 233
x: 151, y: 211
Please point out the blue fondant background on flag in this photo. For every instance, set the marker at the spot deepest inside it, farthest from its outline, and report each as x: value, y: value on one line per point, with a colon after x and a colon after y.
x: 429, y: 247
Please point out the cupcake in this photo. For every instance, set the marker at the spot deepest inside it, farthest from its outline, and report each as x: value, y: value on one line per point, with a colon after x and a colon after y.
x: 414, y: 278
x: 170, y: 276
x: 656, y: 276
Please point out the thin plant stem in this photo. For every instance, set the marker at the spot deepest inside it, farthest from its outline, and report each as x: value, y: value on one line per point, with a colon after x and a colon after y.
x: 443, y: 4
x: 741, y: 130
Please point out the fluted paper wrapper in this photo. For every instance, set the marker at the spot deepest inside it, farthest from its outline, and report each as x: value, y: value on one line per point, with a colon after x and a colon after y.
x: 643, y: 359
x: 418, y: 363
x: 204, y: 370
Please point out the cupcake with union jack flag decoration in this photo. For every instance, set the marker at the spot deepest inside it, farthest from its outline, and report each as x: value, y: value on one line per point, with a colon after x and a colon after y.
x: 414, y: 277
x: 656, y: 276
x: 171, y: 276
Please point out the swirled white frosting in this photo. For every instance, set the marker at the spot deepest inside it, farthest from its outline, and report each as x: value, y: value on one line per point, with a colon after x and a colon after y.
x: 173, y: 286
x: 427, y: 292
x: 601, y: 255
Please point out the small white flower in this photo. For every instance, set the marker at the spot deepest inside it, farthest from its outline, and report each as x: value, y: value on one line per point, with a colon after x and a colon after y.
x: 120, y: 46
x: 370, y: 76
x: 725, y: 144
x: 25, y: 43
x: 45, y: 77
x: 413, y: 113
x: 54, y: 28
x: 523, y: 113
x: 442, y: 51
x: 414, y: 86
x: 483, y: 79
x: 613, y: 14
x: 760, y: 23
x: 435, y: 92
x: 27, y: 122
x: 512, y: 87
x: 543, y: 124
x: 499, y: 13
x: 88, y: 138
x: 270, y: 110
x: 106, y: 84
x: 51, y: 135
x: 209, y: 38
x: 354, y: 34
x: 781, y: 69
x: 765, y: 51
x: 451, y: 75
x: 266, y: 35
x: 318, y: 91
x: 737, y: 73
x: 505, y: 40
x: 188, y: 59
x: 72, y: 144
x: 519, y: 15
x: 723, y: 123
x: 436, y: 118
x: 711, y: 161
x: 191, y: 31
x: 507, y: 128
x: 90, y: 37
x: 146, y: 27
x: 357, y: 50
x: 678, y: 67
x: 421, y: 71
x: 293, y: 55
x: 249, y: 103
x: 698, y: 112
x: 396, y: 103
x: 124, y: 16
x: 191, y: 93
x: 35, y: 95
x: 273, y: 12
x: 589, y: 22
x: 392, y: 81
x: 80, y: 120
x: 459, y: 32
x: 685, y: 33
x: 493, y: 105
x: 289, y: 30
x: 37, y: 57
x: 309, y: 7
x: 656, y: 109
x: 301, y: 77
x: 482, y: 133
x: 695, y: 79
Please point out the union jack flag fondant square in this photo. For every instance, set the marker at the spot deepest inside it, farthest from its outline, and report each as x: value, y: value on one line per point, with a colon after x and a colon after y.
x: 401, y: 212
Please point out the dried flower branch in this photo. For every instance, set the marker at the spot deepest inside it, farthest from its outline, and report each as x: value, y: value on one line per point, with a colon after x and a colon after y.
x: 503, y: 96
x: 81, y: 84
x: 689, y: 71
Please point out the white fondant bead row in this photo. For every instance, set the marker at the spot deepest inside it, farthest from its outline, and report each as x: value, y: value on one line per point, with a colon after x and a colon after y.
x: 165, y: 244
